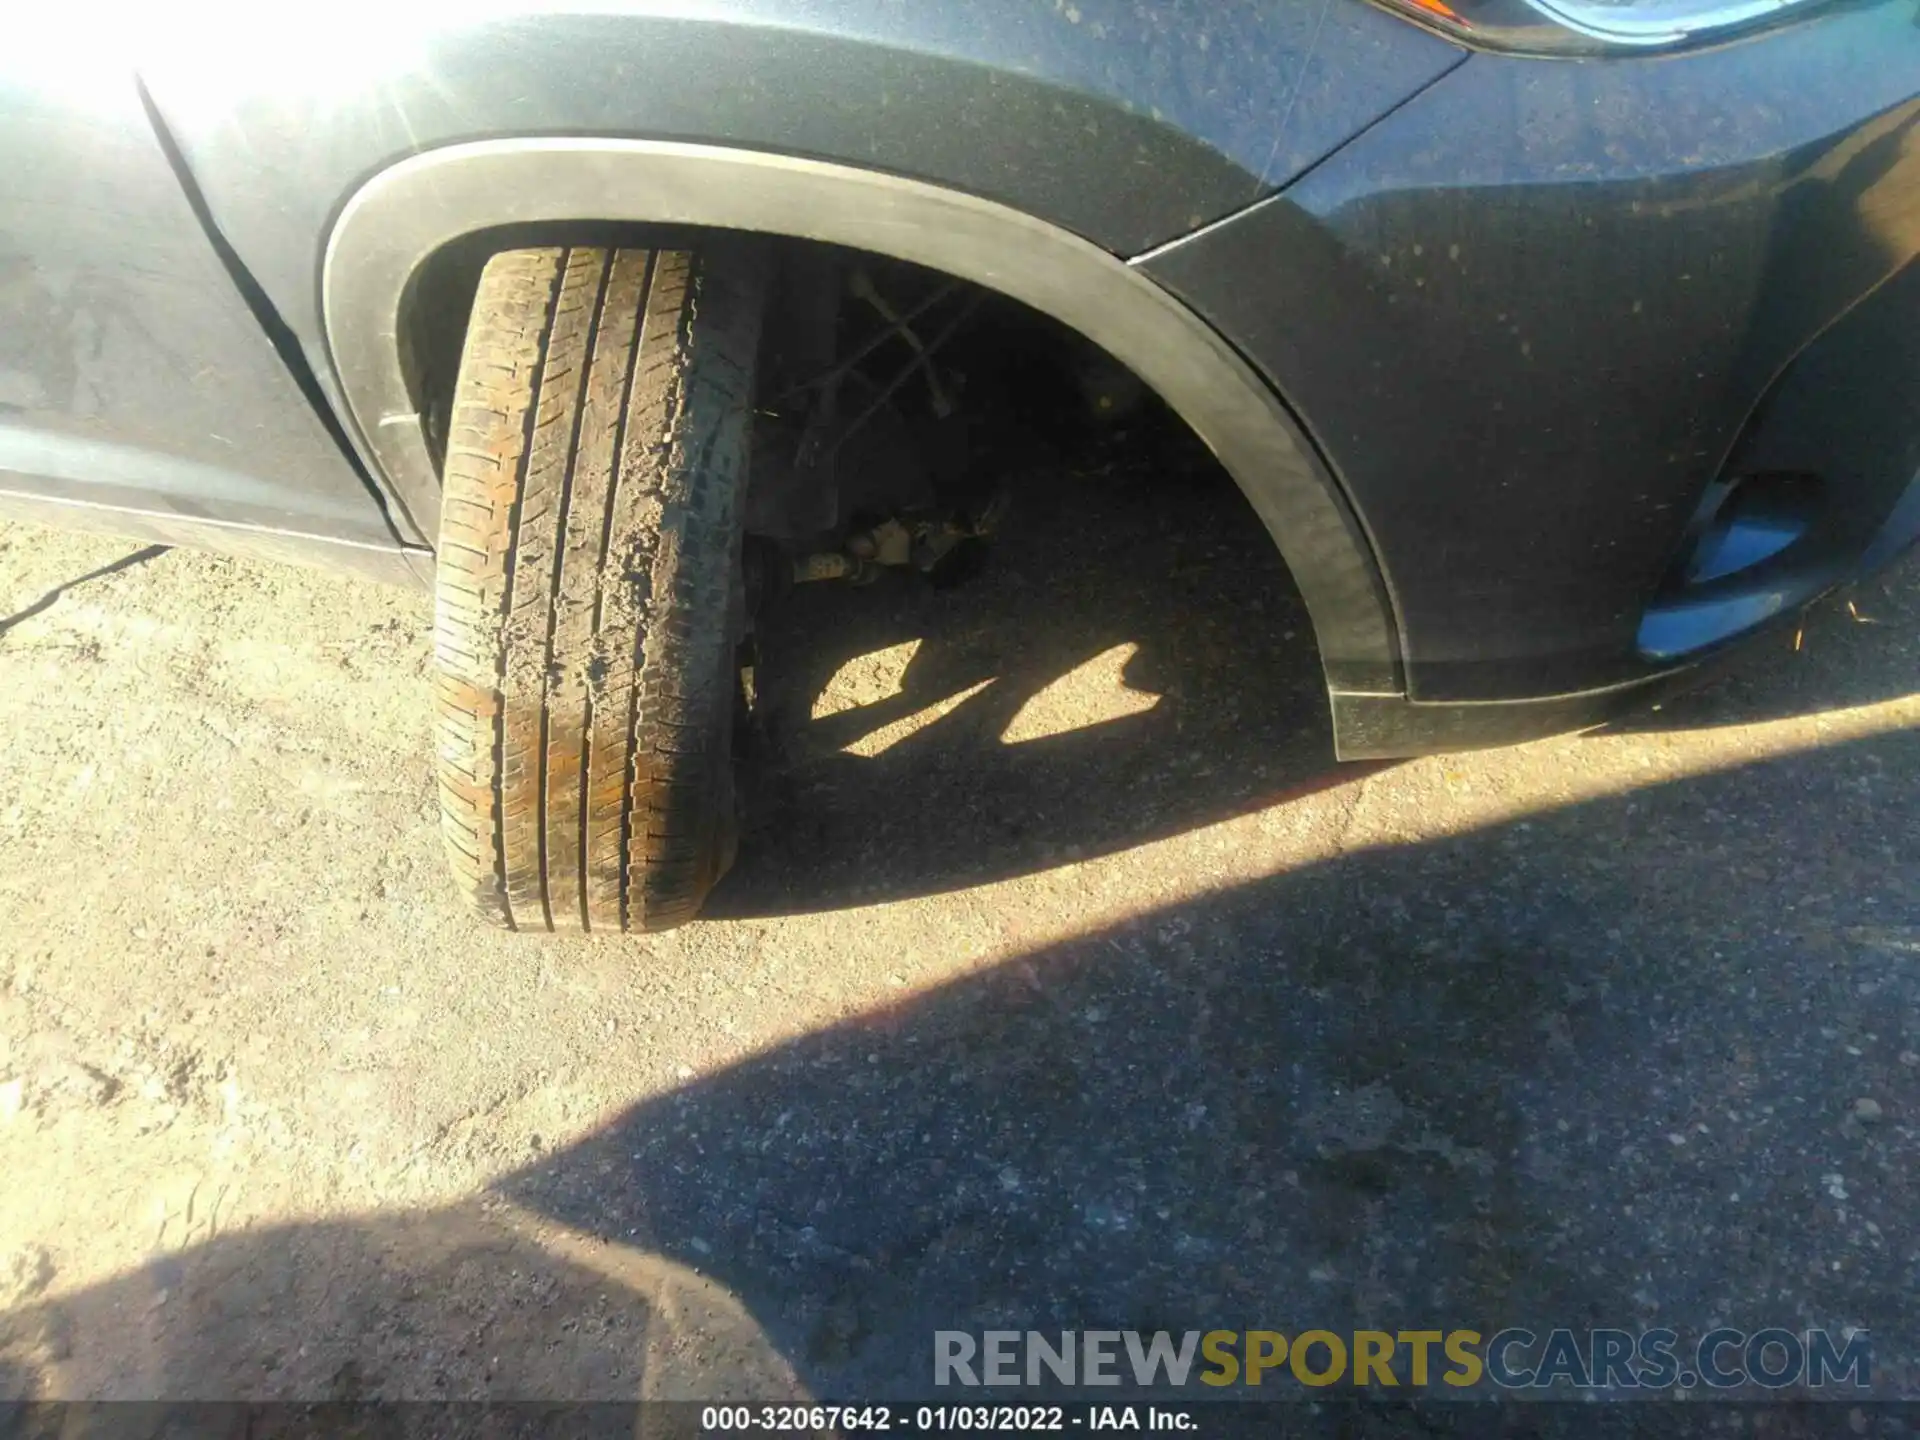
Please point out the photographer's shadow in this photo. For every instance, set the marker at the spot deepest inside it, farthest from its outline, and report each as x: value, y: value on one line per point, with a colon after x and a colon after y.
x: 1600, y: 1066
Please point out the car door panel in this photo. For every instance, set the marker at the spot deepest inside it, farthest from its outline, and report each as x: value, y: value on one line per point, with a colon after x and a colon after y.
x: 133, y: 376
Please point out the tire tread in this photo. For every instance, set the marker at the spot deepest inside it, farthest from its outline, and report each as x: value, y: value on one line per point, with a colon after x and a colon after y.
x: 586, y: 587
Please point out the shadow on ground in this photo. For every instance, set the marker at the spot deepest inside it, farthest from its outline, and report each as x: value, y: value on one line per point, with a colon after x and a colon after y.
x: 1154, y: 582
x: 1602, y: 1067
x: 50, y: 598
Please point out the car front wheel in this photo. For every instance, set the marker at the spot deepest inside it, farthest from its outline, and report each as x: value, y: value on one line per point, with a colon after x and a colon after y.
x: 588, y: 599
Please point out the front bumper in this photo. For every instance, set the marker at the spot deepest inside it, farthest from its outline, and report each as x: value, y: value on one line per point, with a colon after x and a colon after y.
x: 1531, y: 316
x: 1378, y: 727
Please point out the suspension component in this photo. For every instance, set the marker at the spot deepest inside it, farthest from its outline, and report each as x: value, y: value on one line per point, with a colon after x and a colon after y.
x: 900, y: 542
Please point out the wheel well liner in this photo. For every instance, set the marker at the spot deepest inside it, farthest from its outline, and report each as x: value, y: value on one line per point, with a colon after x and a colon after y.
x: 405, y: 214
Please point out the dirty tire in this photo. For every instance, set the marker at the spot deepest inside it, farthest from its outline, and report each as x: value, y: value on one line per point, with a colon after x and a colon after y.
x: 587, y: 593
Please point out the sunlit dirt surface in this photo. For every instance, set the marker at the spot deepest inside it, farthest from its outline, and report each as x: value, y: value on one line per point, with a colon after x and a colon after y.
x: 1065, y: 982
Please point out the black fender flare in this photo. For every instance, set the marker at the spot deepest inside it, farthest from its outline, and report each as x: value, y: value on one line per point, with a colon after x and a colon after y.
x: 406, y: 213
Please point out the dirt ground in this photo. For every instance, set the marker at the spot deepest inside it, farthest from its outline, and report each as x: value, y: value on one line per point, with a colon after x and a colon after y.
x: 1065, y: 982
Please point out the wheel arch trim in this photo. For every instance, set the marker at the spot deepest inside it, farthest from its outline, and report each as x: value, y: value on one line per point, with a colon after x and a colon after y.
x: 403, y: 215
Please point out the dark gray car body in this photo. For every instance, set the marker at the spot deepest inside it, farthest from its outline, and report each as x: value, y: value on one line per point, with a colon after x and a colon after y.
x: 1474, y: 333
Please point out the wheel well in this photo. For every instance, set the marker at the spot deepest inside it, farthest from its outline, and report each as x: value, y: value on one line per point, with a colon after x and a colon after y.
x: 380, y: 263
